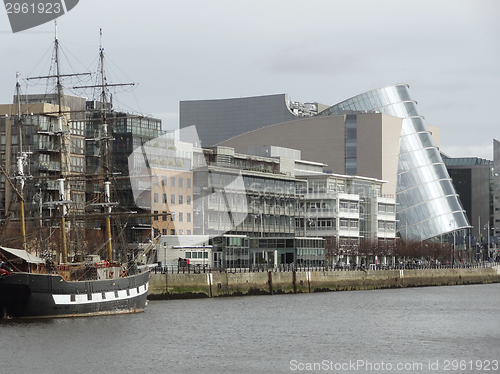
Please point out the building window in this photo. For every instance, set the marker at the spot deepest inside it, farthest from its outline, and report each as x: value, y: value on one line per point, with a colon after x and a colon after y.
x: 188, y: 199
x: 172, y: 231
x: 188, y: 217
x: 164, y: 215
x: 163, y: 180
x: 164, y: 232
x: 188, y: 232
x: 172, y: 181
x: 156, y: 215
x: 351, y: 144
x: 156, y: 197
x: 181, y: 182
x: 188, y: 183
x: 172, y: 216
x: 181, y: 199
x: 181, y: 216
x: 172, y: 199
x: 164, y: 199
x: 181, y: 232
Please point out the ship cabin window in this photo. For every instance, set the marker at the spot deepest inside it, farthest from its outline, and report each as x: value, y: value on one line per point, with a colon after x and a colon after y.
x: 128, y: 292
x: 138, y: 290
x: 116, y: 293
x: 73, y: 297
x: 89, y: 296
x: 104, y: 295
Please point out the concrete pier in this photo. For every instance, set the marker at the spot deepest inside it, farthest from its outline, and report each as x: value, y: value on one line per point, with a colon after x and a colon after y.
x: 216, y: 284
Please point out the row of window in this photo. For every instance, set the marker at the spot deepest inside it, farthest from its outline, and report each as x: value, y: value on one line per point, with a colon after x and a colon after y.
x: 173, y: 200
x: 179, y: 215
x: 196, y: 254
x: 310, y: 251
x: 385, y: 208
x: 346, y: 206
x: 345, y: 223
x: 164, y: 179
x: 385, y: 226
x: 172, y: 232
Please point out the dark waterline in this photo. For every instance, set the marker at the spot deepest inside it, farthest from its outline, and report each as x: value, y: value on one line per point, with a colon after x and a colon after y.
x: 270, y: 334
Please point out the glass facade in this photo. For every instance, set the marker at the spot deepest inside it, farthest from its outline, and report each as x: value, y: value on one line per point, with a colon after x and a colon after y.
x: 427, y: 204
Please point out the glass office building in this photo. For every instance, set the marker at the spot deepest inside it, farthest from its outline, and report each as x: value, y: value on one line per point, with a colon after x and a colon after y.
x: 427, y: 204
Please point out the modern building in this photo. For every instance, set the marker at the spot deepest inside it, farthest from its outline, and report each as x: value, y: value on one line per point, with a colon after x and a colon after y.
x: 496, y: 188
x: 178, y: 250
x: 377, y: 134
x: 52, y: 146
x: 219, y: 120
x: 472, y: 178
x: 162, y: 182
x: 70, y: 142
x: 349, y: 208
x: 323, y: 139
x: 243, y: 195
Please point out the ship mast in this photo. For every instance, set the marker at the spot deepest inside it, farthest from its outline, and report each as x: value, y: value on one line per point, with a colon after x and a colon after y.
x: 106, y: 138
x: 107, y: 197
x: 20, y: 159
x: 62, y: 134
x: 64, y: 247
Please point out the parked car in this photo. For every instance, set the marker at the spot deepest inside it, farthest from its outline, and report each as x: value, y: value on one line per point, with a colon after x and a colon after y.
x: 340, y: 265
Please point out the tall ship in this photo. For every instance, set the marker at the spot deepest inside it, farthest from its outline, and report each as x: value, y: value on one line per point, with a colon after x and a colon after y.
x: 86, y: 285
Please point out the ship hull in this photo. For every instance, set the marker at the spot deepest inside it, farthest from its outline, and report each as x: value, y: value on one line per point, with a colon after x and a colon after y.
x: 29, y: 295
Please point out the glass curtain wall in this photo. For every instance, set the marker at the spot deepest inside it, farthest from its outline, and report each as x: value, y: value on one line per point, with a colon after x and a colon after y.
x: 428, y: 205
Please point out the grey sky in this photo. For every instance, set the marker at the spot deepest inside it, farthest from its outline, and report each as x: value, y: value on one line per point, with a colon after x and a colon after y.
x: 448, y: 51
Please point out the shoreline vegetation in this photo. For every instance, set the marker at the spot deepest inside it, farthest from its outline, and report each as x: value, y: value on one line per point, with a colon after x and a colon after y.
x: 179, y: 285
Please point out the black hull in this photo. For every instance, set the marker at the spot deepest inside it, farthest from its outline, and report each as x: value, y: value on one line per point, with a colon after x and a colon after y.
x: 29, y: 295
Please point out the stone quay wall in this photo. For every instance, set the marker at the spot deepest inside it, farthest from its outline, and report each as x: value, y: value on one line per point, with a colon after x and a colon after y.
x: 216, y: 284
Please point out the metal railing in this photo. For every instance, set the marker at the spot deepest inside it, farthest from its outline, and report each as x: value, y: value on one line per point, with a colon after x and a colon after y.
x: 281, y: 268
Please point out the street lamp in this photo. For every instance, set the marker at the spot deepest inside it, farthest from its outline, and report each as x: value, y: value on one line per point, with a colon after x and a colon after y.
x: 261, y: 223
x: 198, y: 210
x: 453, y: 250
x: 487, y: 228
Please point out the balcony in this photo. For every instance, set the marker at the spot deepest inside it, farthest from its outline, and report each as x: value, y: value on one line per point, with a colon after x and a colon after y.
x: 47, y: 147
x: 48, y: 166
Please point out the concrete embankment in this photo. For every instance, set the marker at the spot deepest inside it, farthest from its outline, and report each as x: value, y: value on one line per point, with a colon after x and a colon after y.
x: 175, y: 286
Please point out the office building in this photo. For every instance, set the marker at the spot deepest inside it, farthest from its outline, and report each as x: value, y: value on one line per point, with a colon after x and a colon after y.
x: 377, y: 134
x: 472, y: 178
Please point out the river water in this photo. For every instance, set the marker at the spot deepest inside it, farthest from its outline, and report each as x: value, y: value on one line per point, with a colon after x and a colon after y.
x: 454, y: 329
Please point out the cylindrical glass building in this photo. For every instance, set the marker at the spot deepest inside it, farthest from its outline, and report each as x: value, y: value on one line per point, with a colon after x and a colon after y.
x: 427, y: 204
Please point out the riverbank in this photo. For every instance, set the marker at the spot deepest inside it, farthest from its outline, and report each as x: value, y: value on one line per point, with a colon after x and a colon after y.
x: 218, y: 284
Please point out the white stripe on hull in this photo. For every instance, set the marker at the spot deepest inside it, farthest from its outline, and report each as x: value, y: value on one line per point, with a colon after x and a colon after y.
x: 97, y: 297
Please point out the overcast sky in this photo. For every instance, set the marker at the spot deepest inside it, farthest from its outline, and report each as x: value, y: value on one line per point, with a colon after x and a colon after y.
x: 323, y: 51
